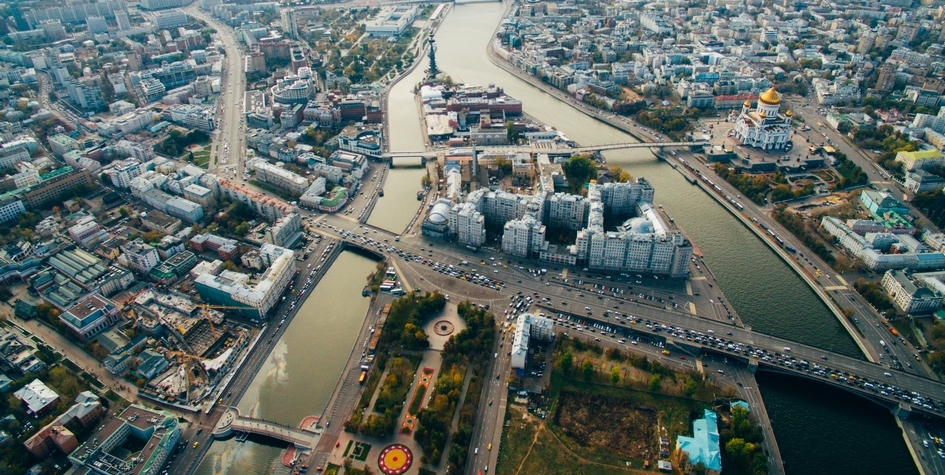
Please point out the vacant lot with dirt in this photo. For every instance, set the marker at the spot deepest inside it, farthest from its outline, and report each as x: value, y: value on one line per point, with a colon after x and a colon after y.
x: 600, y: 421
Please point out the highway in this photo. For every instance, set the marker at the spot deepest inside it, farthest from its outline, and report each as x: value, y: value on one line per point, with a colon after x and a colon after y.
x: 563, y: 297
x: 229, y: 139
x: 833, y: 290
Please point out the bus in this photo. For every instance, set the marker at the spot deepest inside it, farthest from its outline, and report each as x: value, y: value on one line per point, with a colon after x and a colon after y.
x: 362, y: 377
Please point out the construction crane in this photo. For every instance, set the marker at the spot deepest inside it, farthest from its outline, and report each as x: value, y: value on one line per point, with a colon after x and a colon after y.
x: 185, y: 361
x: 205, y: 307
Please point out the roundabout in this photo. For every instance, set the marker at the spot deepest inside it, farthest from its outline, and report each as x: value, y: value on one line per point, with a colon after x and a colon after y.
x: 395, y: 459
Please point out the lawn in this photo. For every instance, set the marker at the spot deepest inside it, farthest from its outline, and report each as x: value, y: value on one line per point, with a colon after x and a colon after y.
x: 578, y: 437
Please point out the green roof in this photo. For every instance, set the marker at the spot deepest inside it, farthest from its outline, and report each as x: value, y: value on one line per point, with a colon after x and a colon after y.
x: 335, y: 197
x: 923, y: 154
x: 55, y: 173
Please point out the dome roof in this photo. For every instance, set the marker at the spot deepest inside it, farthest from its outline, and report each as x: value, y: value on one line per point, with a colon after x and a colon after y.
x: 440, y: 212
x: 789, y: 113
x: 770, y: 97
x: 638, y: 225
x: 748, y: 103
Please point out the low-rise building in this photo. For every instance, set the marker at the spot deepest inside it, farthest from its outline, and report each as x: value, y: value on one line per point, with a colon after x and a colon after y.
x: 156, y: 431
x: 19, y: 353
x: 160, y: 222
x: 90, y: 316
x: 703, y: 447
x: 909, y: 294
x: 37, y: 397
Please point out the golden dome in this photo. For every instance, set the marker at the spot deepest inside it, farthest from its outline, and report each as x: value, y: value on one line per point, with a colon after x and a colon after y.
x: 770, y: 97
x: 763, y: 114
x: 789, y: 113
x: 748, y: 103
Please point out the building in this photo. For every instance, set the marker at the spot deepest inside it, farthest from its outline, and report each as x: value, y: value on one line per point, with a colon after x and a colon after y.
x: 184, y: 209
x: 881, y: 202
x: 881, y: 251
x: 764, y: 127
x: 290, y: 24
x: 392, y: 21
x: 160, y: 222
x: 910, y: 295
x: 226, y: 248
x: 97, y: 24
x: 265, y: 206
x: 139, y: 256
x: 920, y: 160
x: 278, y: 176
x: 200, y: 195
x: 55, y: 185
x: 19, y: 353
x: 170, y: 19
x: 176, y: 266
x: 90, y: 316
x: 527, y: 327
x: 56, y: 436
x: 703, y: 446
x: 10, y: 206
x: 156, y: 433
x: 37, y: 397
x: 921, y: 181
x: 523, y: 237
x: 468, y: 224
x: 124, y: 172
x: 87, y: 232
x: 256, y: 299
x: 286, y: 231
x: 60, y: 144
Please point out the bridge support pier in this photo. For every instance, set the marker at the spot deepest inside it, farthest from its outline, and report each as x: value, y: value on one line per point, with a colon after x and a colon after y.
x: 901, y: 411
x: 752, y: 366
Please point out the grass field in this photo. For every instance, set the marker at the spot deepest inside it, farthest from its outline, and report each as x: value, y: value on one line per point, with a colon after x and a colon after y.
x: 202, y: 158
x: 533, y: 445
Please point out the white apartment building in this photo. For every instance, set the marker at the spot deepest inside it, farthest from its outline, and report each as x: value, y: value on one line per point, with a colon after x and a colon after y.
x: 529, y: 326
x: 468, y: 224
x: 565, y: 211
x: 124, y: 172
x: 278, y: 176
x: 139, y: 256
x: 523, y: 237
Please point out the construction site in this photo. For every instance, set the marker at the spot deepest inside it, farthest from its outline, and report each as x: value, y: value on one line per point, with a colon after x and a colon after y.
x: 194, y: 346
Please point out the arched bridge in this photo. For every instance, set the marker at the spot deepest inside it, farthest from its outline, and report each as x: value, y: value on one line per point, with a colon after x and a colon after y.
x: 550, y: 150
x: 232, y: 421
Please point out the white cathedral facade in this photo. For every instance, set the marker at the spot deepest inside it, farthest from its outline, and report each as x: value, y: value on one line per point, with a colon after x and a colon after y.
x: 764, y: 127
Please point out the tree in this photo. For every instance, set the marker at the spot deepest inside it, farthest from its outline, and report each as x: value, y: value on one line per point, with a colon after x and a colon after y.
x: 588, y: 369
x: 566, y: 360
x: 123, y: 211
x: 615, y: 374
x: 579, y: 170
x: 620, y: 176
x: 654, y: 382
x: 241, y: 229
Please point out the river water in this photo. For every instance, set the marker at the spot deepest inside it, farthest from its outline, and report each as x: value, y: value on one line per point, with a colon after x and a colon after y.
x: 765, y: 292
x: 303, y: 368
x: 832, y: 432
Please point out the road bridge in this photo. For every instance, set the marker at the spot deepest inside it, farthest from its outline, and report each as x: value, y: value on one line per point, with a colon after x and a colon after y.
x: 741, y: 337
x: 779, y: 355
x: 232, y: 421
x: 550, y: 149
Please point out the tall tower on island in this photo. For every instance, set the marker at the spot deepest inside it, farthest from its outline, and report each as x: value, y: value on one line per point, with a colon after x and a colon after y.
x: 432, y: 71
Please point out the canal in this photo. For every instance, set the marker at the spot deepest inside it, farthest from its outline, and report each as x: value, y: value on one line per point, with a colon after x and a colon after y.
x: 302, y: 370
x: 765, y: 292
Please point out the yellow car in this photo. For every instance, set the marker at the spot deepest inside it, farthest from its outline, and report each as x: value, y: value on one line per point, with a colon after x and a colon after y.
x: 196, y: 444
x: 489, y: 447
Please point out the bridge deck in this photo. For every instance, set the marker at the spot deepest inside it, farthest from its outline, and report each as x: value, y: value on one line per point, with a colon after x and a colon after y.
x: 531, y: 149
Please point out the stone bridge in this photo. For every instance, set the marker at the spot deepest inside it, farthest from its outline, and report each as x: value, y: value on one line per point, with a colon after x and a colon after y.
x: 232, y: 421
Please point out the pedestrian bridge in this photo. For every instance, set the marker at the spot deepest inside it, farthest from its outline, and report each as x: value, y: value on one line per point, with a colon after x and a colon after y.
x: 550, y: 149
x: 232, y: 421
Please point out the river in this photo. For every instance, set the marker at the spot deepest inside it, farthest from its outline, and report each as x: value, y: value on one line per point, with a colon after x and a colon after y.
x: 303, y: 368
x: 762, y: 288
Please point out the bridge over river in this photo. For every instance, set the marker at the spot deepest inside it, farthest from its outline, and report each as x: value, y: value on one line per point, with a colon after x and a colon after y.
x: 232, y: 422
x: 548, y: 148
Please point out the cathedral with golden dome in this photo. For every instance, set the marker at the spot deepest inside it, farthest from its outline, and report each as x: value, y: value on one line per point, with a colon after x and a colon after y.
x: 764, y: 127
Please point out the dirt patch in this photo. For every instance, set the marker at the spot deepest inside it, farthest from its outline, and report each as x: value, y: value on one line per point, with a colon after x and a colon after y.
x: 594, y: 420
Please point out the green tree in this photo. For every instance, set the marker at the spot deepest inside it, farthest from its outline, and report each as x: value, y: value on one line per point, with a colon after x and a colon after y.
x: 588, y: 369
x: 241, y: 229
x: 579, y: 169
x: 615, y: 374
x: 123, y: 211
x: 566, y: 360
x: 654, y: 382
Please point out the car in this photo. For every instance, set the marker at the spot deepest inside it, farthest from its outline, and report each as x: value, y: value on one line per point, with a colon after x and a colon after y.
x: 489, y: 447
